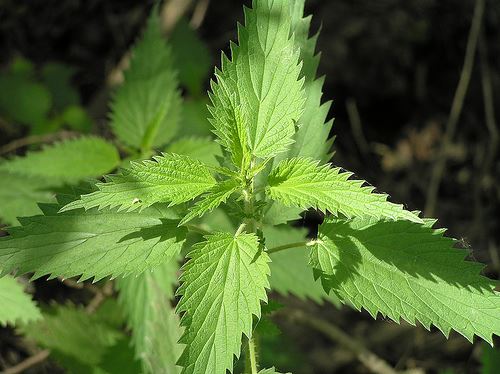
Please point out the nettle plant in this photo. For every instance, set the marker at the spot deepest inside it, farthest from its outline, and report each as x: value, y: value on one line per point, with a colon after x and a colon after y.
x: 267, y: 114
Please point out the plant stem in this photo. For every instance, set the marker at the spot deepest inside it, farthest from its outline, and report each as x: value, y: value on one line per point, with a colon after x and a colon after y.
x: 251, y: 366
x: 250, y: 224
x: 287, y: 246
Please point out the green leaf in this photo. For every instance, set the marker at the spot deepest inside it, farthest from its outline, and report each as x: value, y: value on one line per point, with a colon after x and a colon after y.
x: 212, y: 199
x: 91, y: 244
x: 301, y: 182
x: 205, y: 149
x: 406, y: 270
x: 57, y: 78
x: 146, y: 300
x: 490, y: 360
x: 262, y: 81
x: 169, y: 178
x: 311, y: 138
x: 194, y: 120
x: 82, y: 342
x: 73, y: 332
x: 17, y: 306
x: 145, y: 109
x: 290, y: 272
x: 192, y: 57
x: 19, y: 196
x: 76, y: 118
x: 23, y: 100
x: 223, y: 283
x: 69, y: 161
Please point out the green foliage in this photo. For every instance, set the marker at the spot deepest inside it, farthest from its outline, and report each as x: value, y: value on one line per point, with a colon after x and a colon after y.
x: 70, y: 161
x: 19, y: 196
x: 311, y: 138
x: 16, y: 305
x: 155, y: 326
x: 490, y: 360
x: 145, y: 109
x: 91, y: 244
x: 22, y: 98
x: 302, y: 183
x: 201, y: 149
x: 169, y: 178
x: 194, y: 119
x: 223, y: 283
x: 260, y: 84
x: 192, y: 57
x: 45, y: 101
x: 81, y: 342
x: 406, y: 270
x: 267, y: 113
x: 57, y: 78
x: 212, y: 199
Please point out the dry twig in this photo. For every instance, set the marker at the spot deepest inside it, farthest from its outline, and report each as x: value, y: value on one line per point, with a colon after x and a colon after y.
x: 100, y: 295
x: 357, y: 126
x: 371, y: 361
x: 28, y: 363
x: 199, y: 13
x: 456, y: 108
x: 35, y: 139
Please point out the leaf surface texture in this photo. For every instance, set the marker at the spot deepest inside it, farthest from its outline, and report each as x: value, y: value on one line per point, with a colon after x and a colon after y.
x: 405, y: 270
x: 222, y: 286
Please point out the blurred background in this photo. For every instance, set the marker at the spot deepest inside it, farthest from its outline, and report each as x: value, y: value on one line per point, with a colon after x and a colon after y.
x: 415, y: 86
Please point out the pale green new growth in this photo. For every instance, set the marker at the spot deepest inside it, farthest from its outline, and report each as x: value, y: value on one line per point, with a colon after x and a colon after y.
x: 169, y: 178
x: 260, y: 84
x: 223, y: 283
x: 302, y: 183
x: 17, y: 306
x: 69, y: 161
x: 405, y: 270
x: 212, y: 199
x: 146, y: 300
x: 90, y: 244
x: 145, y: 109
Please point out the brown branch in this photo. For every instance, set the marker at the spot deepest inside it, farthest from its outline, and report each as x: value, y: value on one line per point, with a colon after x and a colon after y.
x: 171, y: 12
x: 28, y: 363
x: 357, y: 126
x: 456, y: 108
x: 35, y: 139
x: 199, y: 13
x: 369, y: 359
x: 489, y: 106
x: 100, y: 295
